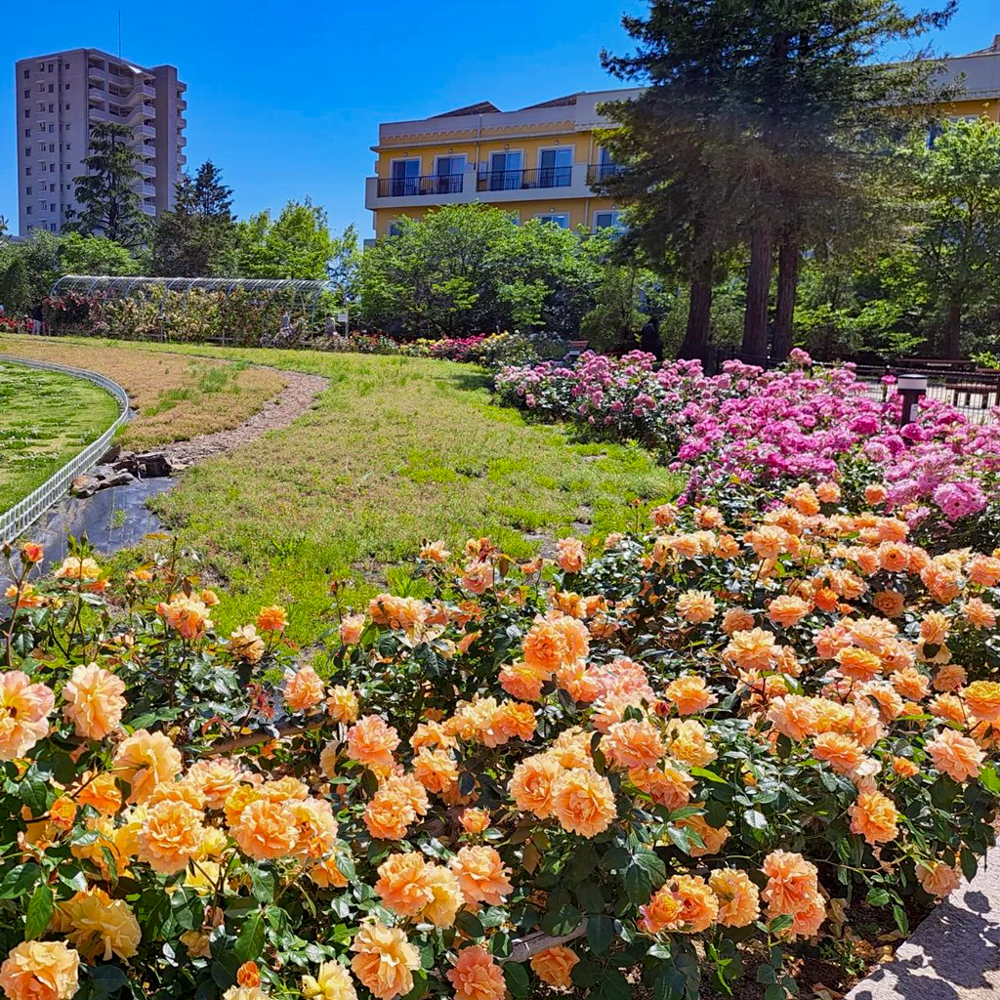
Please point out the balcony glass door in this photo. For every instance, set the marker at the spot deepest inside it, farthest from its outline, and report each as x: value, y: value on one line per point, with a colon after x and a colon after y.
x: 405, y: 178
x: 606, y: 166
x: 505, y: 171
x: 555, y: 167
x: 450, y: 170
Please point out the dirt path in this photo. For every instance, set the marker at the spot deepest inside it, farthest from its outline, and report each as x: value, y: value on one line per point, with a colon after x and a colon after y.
x: 294, y: 400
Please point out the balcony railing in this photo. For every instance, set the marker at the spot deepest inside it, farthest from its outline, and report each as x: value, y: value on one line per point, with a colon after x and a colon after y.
x: 519, y: 180
x: 409, y: 187
x: 597, y: 172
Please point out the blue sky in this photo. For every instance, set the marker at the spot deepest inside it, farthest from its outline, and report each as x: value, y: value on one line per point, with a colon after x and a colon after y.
x: 286, y: 98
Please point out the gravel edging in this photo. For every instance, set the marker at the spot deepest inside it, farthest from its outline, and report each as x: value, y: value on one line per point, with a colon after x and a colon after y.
x: 295, y: 399
x: 954, y: 954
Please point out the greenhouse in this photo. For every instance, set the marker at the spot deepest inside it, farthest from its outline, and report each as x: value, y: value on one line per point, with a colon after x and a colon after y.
x: 238, y: 311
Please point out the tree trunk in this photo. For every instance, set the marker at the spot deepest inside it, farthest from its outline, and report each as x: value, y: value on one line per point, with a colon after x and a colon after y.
x: 788, y: 284
x: 953, y: 335
x: 754, y: 347
x: 699, y: 323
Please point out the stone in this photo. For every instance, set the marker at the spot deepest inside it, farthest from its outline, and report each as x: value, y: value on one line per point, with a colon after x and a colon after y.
x: 111, y: 455
x: 85, y: 486
x: 153, y: 464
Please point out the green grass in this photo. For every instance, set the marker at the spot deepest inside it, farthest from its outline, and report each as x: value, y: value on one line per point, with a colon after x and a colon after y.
x: 45, y: 419
x: 394, y: 451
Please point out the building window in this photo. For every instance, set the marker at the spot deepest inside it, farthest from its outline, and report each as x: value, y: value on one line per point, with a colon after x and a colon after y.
x: 27, y: 112
x: 28, y: 210
x: 41, y: 67
x: 52, y: 66
x: 27, y: 135
x: 52, y: 88
x: 560, y: 219
x: 27, y: 94
x: 505, y: 171
x: 608, y: 220
x: 52, y: 127
x: 27, y: 74
x: 449, y: 171
x: 27, y: 171
x: 52, y: 147
x: 394, y: 229
x: 52, y: 109
x: 52, y: 168
x: 555, y: 167
x: 27, y: 190
x: 405, y: 178
x: 66, y: 87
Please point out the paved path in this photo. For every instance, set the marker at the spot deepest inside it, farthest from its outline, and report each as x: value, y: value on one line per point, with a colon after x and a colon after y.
x: 954, y: 954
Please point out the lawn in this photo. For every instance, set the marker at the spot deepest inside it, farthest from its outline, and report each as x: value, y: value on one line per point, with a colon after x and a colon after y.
x: 394, y: 451
x: 45, y: 419
x: 175, y: 397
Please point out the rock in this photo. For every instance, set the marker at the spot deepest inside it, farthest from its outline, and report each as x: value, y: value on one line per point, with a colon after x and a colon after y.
x: 111, y: 455
x: 152, y: 464
x: 117, y: 479
x: 85, y: 486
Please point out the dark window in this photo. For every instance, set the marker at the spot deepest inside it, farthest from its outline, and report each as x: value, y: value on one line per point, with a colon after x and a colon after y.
x: 52, y: 88
x: 27, y: 135
x: 52, y: 108
x: 27, y: 112
x: 27, y: 190
x: 27, y: 93
x: 28, y: 210
x: 52, y: 66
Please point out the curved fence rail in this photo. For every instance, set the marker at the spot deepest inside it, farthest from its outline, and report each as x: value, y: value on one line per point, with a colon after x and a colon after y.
x: 25, y: 512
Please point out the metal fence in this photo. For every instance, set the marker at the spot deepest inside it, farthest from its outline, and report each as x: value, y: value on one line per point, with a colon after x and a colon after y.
x: 25, y: 512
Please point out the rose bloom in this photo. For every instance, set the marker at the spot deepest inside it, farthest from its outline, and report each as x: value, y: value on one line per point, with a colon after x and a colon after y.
x: 667, y: 786
x: 739, y: 898
x: 144, y: 760
x: 635, y: 743
x: 435, y: 770
x: 474, y: 820
x: 351, y: 628
x: 216, y: 778
x: 937, y: 878
x: 688, y: 743
x: 791, y: 881
x: 523, y: 680
x: 304, y: 690
x: 476, y: 976
x: 793, y: 716
x: 874, y: 816
x: 947, y: 706
x: 712, y: 837
x: 315, y: 828
x: 99, y: 926
x: 554, y: 965
x: 699, y: 908
x: 828, y: 492
x: 569, y: 555
x: 956, y: 755
x: 934, y: 628
x: 983, y: 700
x: 435, y: 552
x: 904, y: 767
x: 752, y: 650
x: 979, y: 614
x: 911, y: 684
x: 696, y: 606
x: 858, y: 664
x: 187, y: 616
x: 841, y: 752
x: 950, y: 677
x: 246, y: 645
x: 265, y: 830
x: 889, y: 602
x: 402, y: 883
x: 532, y: 784
x: 371, y: 741
x: 170, y: 836
x: 24, y: 711
x: 342, y: 705
x: 689, y: 694
x: 737, y: 620
x: 331, y: 982
x: 242, y: 992
x: 482, y: 875
x: 327, y: 875
x: 75, y: 568
x: 94, y: 701
x: 660, y: 913
x: 388, y: 814
x: 787, y: 610
x: 876, y: 494
x: 807, y: 921
x: 102, y: 793
x: 384, y: 960
x: 272, y: 619
x: 984, y: 571
x: 583, y: 802
x: 40, y: 970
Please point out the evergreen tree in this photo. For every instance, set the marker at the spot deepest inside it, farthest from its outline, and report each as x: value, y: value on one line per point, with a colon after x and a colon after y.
x: 109, y: 204
x: 759, y: 121
x: 198, y: 237
x: 15, y: 289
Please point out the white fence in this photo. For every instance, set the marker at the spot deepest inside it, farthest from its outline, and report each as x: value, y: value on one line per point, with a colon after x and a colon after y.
x: 25, y: 512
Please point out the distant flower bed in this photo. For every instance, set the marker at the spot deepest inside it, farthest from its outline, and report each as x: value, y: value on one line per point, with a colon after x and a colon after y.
x: 493, y: 350
x: 747, y: 429
x: 713, y: 743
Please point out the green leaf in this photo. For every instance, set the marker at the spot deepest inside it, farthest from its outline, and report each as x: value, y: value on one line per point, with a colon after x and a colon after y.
x: 989, y: 779
x: 899, y: 915
x: 107, y: 979
x: 600, y: 933
x: 645, y: 872
x: 755, y: 820
x: 970, y: 864
x: 40, y: 908
x: 780, y: 923
x: 704, y: 773
x: 517, y: 980
x: 19, y: 880
x: 419, y: 986
x: 250, y: 943
x: 590, y: 897
x: 470, y: 924
x: 877, y: 897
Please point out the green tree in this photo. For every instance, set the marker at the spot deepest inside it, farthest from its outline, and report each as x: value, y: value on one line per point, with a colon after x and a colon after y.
x: 957, y: 236
x: 80, y: 254
x: 198, y: 236
x: 109, y: 204
x: 298, y: 244
x: 15, y: 289
x: 759, y: 121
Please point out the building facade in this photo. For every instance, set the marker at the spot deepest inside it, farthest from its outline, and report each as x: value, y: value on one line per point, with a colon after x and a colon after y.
x: 541, y: 161
x: 61, y: 96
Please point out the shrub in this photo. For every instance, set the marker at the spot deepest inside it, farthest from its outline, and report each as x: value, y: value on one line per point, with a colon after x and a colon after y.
x: 701, y: 740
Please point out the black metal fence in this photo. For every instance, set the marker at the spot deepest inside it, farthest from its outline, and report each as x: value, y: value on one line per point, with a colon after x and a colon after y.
x: 408, y: 187
x: 517, y: 180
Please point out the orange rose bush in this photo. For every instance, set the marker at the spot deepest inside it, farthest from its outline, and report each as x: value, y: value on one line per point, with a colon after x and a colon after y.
x: 683, y: 754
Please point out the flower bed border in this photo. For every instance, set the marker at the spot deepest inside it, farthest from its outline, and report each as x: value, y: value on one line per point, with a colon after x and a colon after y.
x: 26, y: 511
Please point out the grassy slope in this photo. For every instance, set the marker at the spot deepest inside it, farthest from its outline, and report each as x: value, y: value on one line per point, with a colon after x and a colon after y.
x: 396, y: 450
x: 45, y: 419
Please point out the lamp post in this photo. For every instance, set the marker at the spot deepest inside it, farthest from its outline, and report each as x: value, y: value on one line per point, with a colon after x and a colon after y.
x: 912, y: 388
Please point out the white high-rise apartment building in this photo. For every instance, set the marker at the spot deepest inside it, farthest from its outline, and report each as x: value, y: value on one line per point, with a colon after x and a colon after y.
x: 61, y: 96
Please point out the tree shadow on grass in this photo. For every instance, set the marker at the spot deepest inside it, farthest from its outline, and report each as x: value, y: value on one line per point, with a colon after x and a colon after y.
x: 472, y: 379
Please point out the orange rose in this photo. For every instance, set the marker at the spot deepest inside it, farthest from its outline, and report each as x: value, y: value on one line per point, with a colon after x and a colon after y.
x: 874, y: 816
x: 523, y: 680
x: 532, y: 784
x: 384, y: 960
x: 94, y: 702
x: 304, y: 690
x: 737, y: 620
x: 372, y: 742
x: 937, y: 878
x: 689, y: 694
x: 904, y: 768
x: 435, y: 770
x: 102, y: 793
x: 216, y: 778
x: 752, y: 650
x: 667, y: 786
x: 24, y: 712
x: 100, y: 926
x: 712, y: 837
x: 843, y: 753
x: 791, y: 882
x: 475, y: 820
x: 145, y: 759
x: 956, y: 755
x: 246, y: 645
x: 583, y: 802
x: 979, y: 614
x: 949, y: 677
x: 787, y: 610
x: 401, y: 883
x: 739, y: 898
x: 272, y: 619
x: 40, y: 970
x: 389, y: 813
x: 983, y: 700
x: 569, y: 555
x: 170, y: 836
x: 482, y: 875
x: 476, y: 976
x: 187, y: 616
x: 554, y: 966
x: 635, y: 743
x: 265, y: 830
x: 696, y: 606
x: 696, y: 907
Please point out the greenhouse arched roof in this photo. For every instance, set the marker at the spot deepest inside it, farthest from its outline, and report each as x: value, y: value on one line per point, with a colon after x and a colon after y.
x: 308, y: 290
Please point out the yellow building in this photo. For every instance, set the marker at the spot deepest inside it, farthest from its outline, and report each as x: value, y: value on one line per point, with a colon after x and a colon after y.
x: 541, y: 162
